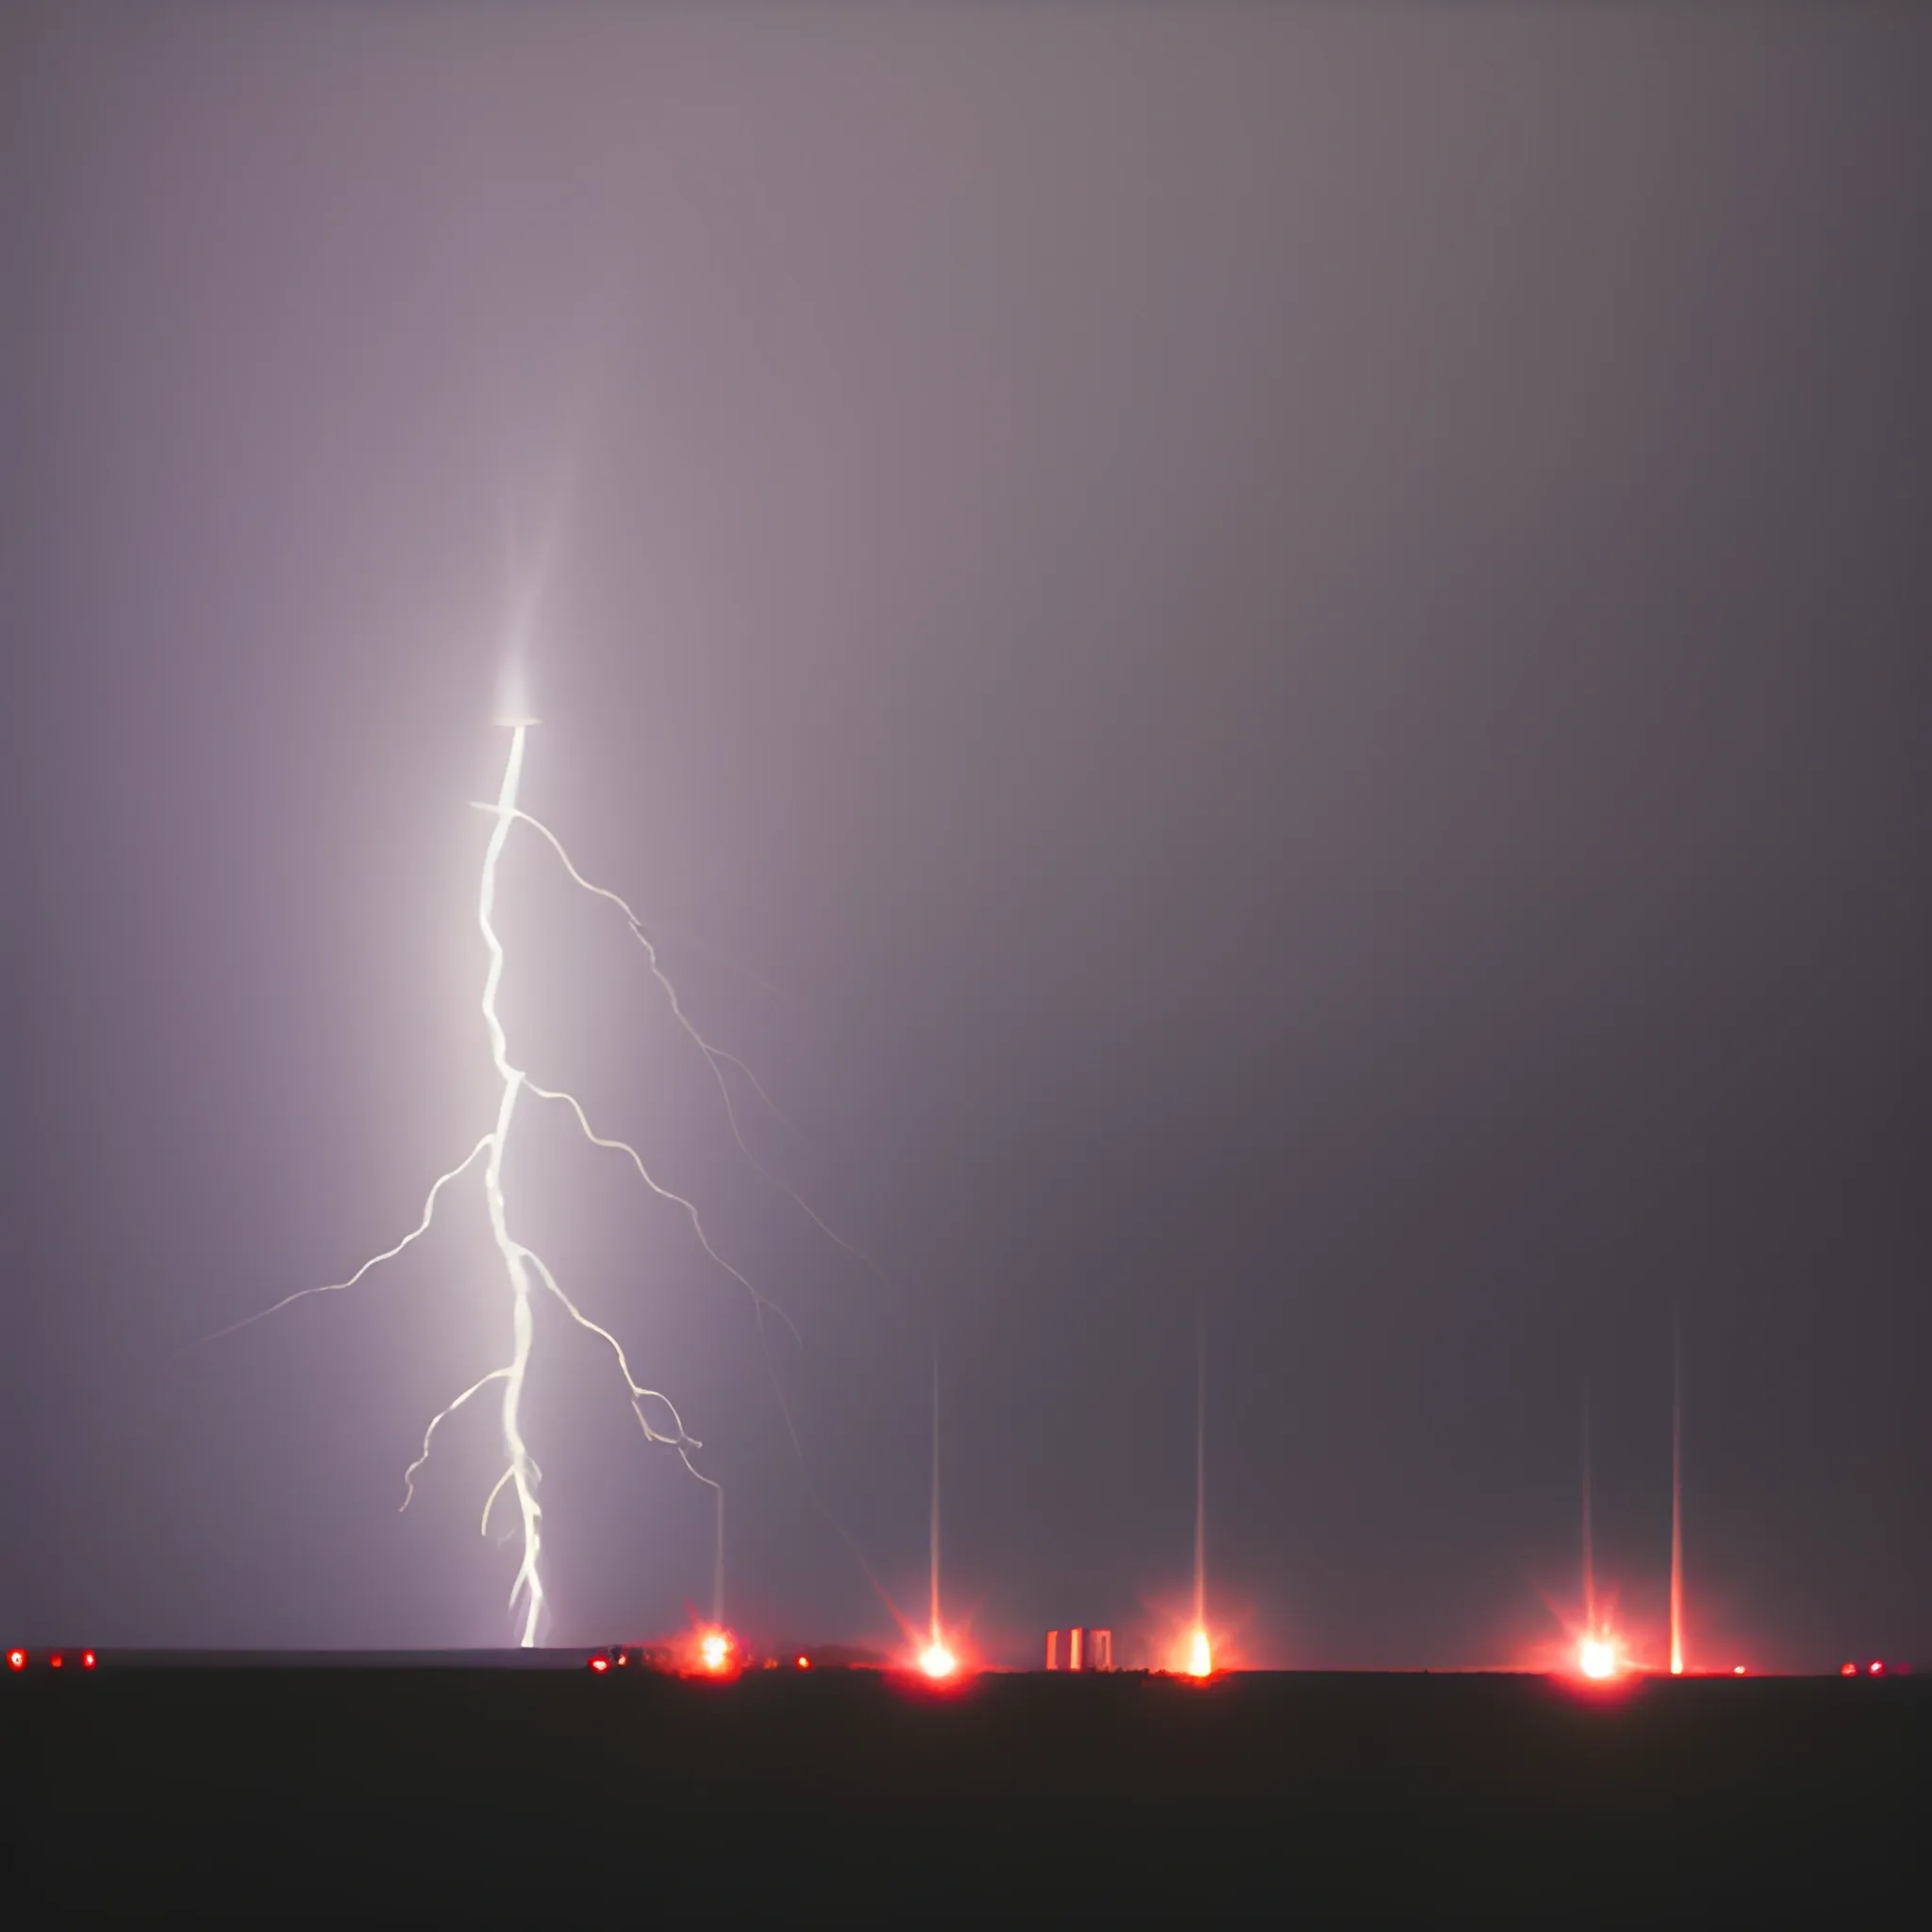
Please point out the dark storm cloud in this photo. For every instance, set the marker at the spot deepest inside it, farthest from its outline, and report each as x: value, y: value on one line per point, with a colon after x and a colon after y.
x: 1297, y: 639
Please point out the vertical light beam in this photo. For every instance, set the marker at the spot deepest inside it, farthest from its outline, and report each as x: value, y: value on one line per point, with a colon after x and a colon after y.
x: 717, y: 1557
x: 1677, y: 1493
x: 1201, y: 1473
x: 934, y: 1588
x: 1199, y: 1651
x: 1588, y: 1554
x: 937, y: 1661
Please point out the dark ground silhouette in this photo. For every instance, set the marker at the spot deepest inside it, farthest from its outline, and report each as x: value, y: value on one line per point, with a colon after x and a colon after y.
x: 419, y: 1795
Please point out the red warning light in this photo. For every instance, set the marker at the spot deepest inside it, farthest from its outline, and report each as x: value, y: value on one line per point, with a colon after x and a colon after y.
x: 805, y: 1663
x: 56, y: 1660
x: 600, y: 1664
x: 87, y: 1659
x: 1877, y: 1668
x: 16, y: 1660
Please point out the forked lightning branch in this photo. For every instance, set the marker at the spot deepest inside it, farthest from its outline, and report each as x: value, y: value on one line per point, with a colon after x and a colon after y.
x: 525, y: 1275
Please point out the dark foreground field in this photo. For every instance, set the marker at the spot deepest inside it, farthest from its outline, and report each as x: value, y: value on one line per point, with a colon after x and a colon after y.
x: 417, y: 1795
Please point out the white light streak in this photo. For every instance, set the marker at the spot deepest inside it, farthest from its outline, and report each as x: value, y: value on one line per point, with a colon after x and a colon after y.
x: 528, y: 1583
x: 416, y: 1233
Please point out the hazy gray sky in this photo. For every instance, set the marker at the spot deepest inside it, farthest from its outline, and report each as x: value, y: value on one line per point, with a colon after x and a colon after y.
x: 1294, y: 639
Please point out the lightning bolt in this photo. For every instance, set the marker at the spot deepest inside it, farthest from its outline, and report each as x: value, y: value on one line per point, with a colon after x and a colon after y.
x: 527, y: 1272
x: 516, y: 1258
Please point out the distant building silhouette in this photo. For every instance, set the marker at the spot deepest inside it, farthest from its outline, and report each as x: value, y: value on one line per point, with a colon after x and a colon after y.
x: 1079, y: 1649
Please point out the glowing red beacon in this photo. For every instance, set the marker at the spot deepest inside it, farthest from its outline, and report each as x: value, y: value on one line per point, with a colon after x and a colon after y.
x: 1596, y: 1659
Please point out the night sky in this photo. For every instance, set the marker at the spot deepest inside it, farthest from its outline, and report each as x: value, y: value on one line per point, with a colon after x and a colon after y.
x: 1273, y: 658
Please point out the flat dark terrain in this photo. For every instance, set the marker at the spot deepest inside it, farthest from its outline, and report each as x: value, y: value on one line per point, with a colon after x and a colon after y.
x: 420, y: 1795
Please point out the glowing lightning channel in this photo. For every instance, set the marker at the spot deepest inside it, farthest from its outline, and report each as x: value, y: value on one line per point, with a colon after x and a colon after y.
x: 475, y: 1388
x: 519, y: 1259
x: 761, y: 1302
x: 528, y: 1583
x: 1676, y: 1495
x: 681, y: 1440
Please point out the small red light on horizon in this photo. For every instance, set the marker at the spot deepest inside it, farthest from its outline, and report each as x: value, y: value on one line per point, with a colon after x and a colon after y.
x: 56, y: 1660
x: 1877, y: 1668
x: 16, y: 1660
x: 87, y: 1659
x: 805, y: 1663
x: 600, y: 1664
x: 1848, y: 1670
